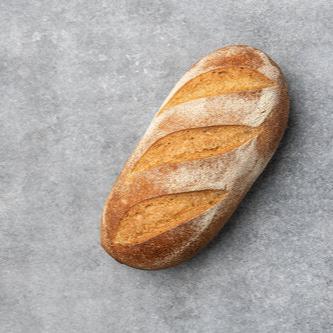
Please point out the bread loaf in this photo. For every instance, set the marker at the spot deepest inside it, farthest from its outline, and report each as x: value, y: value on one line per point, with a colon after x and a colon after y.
x: 210, y: 140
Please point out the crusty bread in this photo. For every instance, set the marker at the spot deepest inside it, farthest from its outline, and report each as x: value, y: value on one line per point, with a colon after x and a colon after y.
x: 210, y: 140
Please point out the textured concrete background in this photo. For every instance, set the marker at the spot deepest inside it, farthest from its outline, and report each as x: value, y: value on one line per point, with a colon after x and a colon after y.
x: 79, y: 83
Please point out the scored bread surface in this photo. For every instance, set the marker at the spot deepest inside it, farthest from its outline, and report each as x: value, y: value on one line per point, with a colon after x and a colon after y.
x: 153, y: 216
x: 210, y: 140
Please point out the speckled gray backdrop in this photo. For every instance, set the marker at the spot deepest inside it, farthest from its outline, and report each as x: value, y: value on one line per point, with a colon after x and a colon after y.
x: 79, y: 83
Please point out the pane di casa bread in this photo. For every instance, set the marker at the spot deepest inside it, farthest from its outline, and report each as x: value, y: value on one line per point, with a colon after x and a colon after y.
x: 205, y: 147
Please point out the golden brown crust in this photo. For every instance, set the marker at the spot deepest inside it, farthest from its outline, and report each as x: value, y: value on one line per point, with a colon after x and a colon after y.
x: 232, y: 171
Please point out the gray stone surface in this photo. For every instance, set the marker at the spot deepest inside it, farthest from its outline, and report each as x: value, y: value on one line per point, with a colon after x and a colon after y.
x: 79, y: 83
